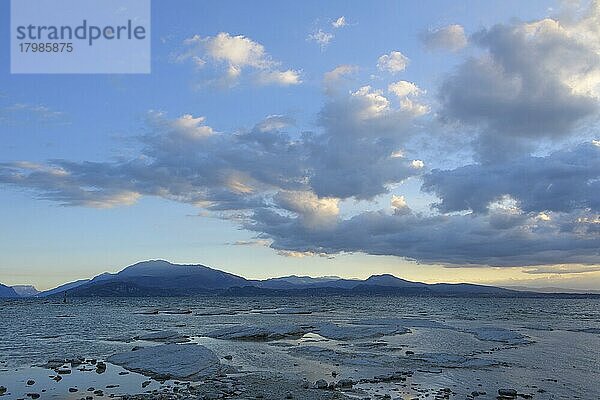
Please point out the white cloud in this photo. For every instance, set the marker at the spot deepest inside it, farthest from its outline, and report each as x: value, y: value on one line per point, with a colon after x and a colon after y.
x: 394, y: 62
x: 237, y: 54
x: 399, y: 205
x: 417, y: 164
x: 374, y: 101
x: 192, y: 126
x: 404, y: 89
x: 451, y: 37
x: 282, y: 78
x: 339, y: 72
x: 339, y: 23
x: 320, y: 37
x: 314, y: 212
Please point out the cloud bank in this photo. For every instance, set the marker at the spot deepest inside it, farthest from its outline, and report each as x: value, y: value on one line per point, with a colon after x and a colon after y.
x: 530, y: 87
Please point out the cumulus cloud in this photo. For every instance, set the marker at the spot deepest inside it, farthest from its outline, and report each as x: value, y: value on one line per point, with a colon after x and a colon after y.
x: 537, y: 80
x: 353, y: 156
x: 283, y: 78
x: 454, y: 240
x: 393, y: 62
x: 332, y: 77
x: 399, y: 205
x: 234, y: 54
x: 312, y: 211
x: 451, y: 37
x: 563, y: 181
x: 406, y: 92
x: 532, y: 81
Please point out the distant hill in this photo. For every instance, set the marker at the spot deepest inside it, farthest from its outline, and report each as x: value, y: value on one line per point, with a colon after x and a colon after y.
x: 62, y: 288
x: 7, y: 292
x: 156, y: 277
x: 26, y: 290
x: 162, y: 278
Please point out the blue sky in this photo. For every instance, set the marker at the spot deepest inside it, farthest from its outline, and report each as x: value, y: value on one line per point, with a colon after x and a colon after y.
x: 53, y: 230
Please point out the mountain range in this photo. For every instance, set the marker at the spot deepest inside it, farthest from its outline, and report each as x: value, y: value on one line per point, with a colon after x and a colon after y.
x: 162, y: 278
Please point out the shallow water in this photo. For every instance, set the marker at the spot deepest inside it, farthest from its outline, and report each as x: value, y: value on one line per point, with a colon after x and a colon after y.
x: 550, y: 351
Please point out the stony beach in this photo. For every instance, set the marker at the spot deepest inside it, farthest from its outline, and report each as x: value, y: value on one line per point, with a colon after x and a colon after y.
x: 297, y: 349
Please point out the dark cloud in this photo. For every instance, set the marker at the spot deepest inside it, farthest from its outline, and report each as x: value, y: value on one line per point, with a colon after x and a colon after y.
x: 562, y: 181
x: 535, y: 81
x: 456, y: 239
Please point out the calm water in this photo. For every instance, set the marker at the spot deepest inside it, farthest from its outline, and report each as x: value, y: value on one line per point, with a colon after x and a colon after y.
x: 562, y: 358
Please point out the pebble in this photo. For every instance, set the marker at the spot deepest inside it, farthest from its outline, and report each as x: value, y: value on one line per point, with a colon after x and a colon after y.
x: 507, y: 392
x: 30, y: 382
x: 321, y: 384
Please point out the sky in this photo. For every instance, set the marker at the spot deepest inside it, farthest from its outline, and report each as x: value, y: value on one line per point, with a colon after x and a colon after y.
x: 439, y: 141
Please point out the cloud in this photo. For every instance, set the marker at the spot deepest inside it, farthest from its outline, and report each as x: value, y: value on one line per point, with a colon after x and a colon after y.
x: 399, y: 205
x: 338, y: 73
x: 283, y: 78
x: 406, y: 92
x: 451, y: 37
x: 394, y: 62
x: 312, y: 211
x: 563, y: 181
x: 24, y: 114
x: 352, y: 158
x: 320, y: 37
x: 535, y: 81
x: 232, y: 55
x: 340, y: 22
x: 562, y: 269
x: 471, y: 240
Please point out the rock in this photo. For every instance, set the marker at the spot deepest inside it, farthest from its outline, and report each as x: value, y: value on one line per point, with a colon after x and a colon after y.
x: 64, y: 371
x: 321, y: 384
x: 135, y: 348
x: 164, y: 336
x: 408, y: 352
x: 73, y: 390
x: 3, y: 390
x: 30, y: 382
x: 345, y: 383
x: 228, y: 357
x: 54, y: 364
x: 123, y: 373
x: 100, y: 367
x: 288, y: 395
x: 57, y: 378
x: 495, y: 334
x: 146, y: 383
x: 258, y: 333
x: 349, y: 332
x: 33, y: 395
x: 170, y: 361
x: 507, y: 392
